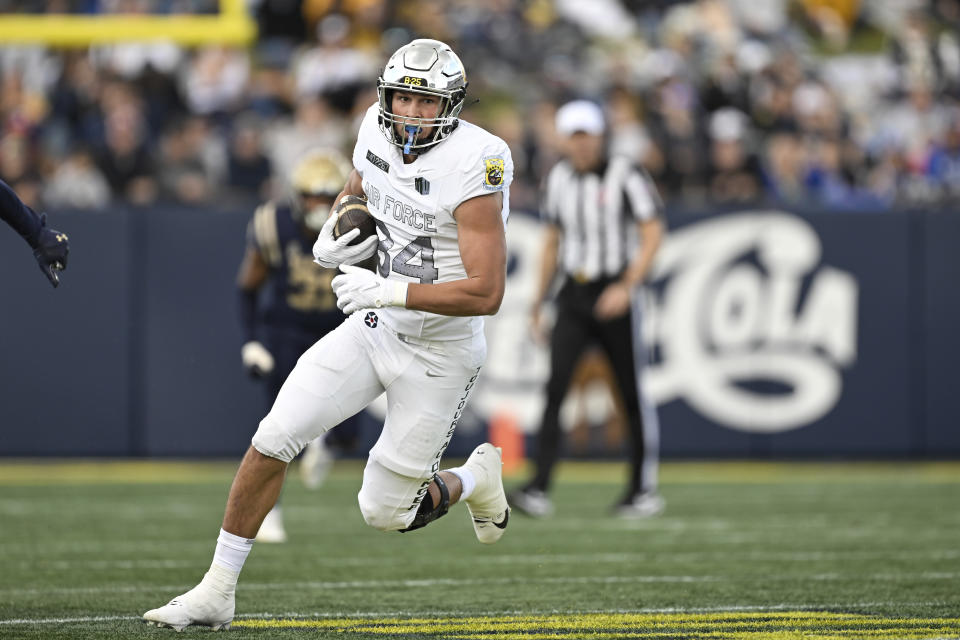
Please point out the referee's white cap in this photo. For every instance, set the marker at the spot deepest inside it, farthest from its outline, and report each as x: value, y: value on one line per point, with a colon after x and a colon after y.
x: 580, y: 115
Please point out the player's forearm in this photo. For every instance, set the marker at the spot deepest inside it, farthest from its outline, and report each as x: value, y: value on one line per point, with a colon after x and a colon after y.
x: 353, y: 187
x: 468, y: 297
x: 651, y: 236
x: 247, y: 313
x: 548, y: 267
x: 637, y: 272
x: 18, y: 215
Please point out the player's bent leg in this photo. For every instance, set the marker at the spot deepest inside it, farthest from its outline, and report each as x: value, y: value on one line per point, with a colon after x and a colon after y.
x: 333, y: 380
x: 390, y: 501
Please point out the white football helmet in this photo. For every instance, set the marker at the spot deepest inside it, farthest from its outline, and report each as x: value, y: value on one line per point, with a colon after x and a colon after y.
x: 423, y: 66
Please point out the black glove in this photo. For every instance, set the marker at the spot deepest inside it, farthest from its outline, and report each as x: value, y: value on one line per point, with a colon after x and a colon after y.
x: 50, y: 249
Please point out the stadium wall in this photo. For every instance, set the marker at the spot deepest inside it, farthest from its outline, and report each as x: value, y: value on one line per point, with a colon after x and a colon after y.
x: 771, y: 334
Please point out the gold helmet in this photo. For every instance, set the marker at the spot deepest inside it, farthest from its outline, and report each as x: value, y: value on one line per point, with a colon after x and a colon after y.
x: 319, y: 174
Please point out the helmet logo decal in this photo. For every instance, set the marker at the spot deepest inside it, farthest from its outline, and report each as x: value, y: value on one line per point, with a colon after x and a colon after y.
x: 415, y: 82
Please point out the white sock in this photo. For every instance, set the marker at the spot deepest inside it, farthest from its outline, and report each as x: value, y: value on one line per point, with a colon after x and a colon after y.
x: 228, y: 559
x: 466, y: 479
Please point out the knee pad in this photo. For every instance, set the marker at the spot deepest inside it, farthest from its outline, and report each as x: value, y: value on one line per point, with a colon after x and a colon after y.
x: 380, y: 518
x: 381, y: 513
x: 428, y: 512
x: 273, y: 441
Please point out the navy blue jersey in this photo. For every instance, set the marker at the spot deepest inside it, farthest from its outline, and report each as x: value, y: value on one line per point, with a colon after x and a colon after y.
x: 299, y: 296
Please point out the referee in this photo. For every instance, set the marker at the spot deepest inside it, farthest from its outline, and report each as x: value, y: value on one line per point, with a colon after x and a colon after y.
x: 598, y: 209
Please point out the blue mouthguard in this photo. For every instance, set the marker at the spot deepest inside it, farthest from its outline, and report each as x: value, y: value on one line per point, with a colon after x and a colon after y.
x: 411, y: 133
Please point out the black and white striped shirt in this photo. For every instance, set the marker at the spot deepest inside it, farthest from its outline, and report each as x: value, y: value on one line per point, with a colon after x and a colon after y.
x: 596, y: 213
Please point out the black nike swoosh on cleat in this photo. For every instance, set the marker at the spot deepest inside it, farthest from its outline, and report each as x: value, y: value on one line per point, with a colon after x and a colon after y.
x: 498, y: 525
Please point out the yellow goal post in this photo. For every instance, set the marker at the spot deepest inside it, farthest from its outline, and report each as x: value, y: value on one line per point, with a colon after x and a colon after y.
x: 232, y: 25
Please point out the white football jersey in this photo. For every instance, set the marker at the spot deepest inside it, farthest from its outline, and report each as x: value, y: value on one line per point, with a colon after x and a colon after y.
x: 413, y: 205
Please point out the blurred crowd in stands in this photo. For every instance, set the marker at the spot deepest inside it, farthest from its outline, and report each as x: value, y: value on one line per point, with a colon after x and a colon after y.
x: 839, y: 104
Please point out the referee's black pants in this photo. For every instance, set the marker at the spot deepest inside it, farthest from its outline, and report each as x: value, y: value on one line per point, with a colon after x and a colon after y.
x: 576, y: 329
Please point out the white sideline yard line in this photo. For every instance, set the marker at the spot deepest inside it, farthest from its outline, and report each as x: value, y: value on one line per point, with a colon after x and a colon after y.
x: 515, y: 559
x: 529, y: 612
x: 370, y: 584
x: 459, y: 582
x: 657, y: 538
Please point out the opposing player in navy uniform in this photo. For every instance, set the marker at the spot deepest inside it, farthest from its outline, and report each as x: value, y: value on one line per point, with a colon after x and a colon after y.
x: 50, y: 247
x: 299, y: 307
x: 438, y: 188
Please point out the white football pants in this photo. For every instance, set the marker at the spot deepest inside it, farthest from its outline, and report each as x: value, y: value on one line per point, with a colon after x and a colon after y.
x: 427, y: 385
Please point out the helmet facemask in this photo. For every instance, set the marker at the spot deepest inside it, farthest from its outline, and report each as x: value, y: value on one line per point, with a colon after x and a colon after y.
x: 426, y: 67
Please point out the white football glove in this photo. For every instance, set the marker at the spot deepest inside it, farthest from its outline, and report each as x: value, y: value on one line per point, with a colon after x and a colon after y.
x: 256, y: 359
x: 358, y: 288
x: 331, y: 253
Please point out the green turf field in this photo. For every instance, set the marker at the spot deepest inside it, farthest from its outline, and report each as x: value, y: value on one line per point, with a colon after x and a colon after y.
x: 744, y: 551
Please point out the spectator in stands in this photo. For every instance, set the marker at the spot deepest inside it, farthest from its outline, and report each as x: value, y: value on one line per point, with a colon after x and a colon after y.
x: 77, y: 183
x: 17, y: 169
x: 333, y: 68
x: 314, y: 125
x: 248, y: 169
x: 733, y: 173
x: 686, y: 60
x: 784, y: 163
x: 124, y: 158
x: 215, y: 80
x: 675, y: 122
x: 944, y: 165
x: 182, y: 174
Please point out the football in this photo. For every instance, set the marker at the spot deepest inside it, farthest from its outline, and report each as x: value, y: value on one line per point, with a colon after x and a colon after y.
x: 352, y: 213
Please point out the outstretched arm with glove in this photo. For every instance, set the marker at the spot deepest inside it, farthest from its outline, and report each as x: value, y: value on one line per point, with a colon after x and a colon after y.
x: 50, y: 247
x: 257, y: 360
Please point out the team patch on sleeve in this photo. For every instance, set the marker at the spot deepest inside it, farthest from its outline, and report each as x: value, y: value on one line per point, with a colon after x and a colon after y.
x: 493, y: 172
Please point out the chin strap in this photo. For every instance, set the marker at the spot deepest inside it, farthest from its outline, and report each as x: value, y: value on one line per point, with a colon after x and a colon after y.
x: 411, y: 134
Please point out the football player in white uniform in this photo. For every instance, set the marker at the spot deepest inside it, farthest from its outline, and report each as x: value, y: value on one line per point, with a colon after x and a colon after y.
x: 438, y: 188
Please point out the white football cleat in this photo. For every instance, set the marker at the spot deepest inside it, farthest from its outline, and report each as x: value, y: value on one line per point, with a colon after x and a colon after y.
x: 641, y: 505
x: 315, y: 463
x: 532, y: 502
x: 488, y: 503
x: 271, y: 530
x: 202, y: 606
